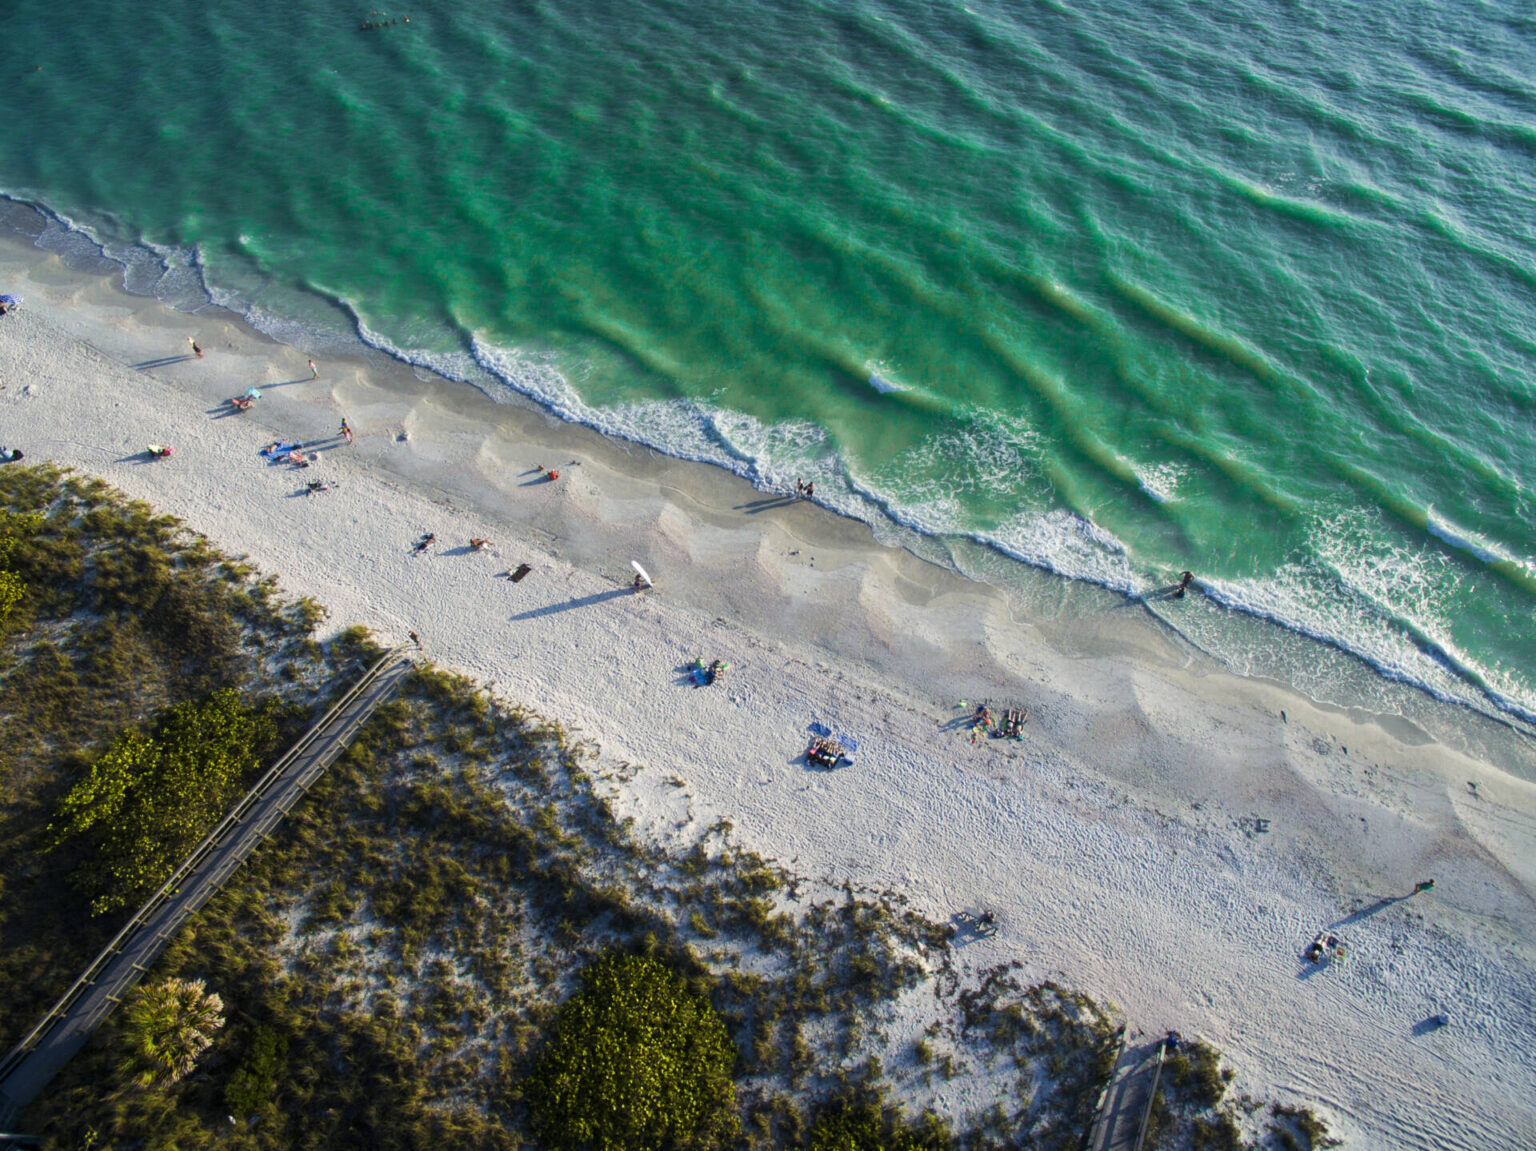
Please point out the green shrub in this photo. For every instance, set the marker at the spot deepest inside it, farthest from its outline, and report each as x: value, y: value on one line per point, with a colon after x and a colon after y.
x: 13, y: 529
x: 150, y: 799
x: 636, y: 1061
x: 1298, y: 1129
x: 253, y: 1083
x: 1197, y: 1076
x: 861, y: 1120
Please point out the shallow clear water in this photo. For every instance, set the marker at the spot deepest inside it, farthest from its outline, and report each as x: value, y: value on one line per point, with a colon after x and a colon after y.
x: 1115, y: 288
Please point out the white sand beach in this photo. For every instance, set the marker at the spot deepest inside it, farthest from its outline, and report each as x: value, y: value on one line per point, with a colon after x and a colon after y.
x: 1118, y: 842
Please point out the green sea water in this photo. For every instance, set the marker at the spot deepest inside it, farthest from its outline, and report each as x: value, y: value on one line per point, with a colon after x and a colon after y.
x: 1115, y: 288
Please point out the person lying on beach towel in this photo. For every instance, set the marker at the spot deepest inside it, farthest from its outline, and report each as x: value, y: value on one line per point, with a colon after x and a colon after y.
x: 277, y: 449
x: 424, y: 543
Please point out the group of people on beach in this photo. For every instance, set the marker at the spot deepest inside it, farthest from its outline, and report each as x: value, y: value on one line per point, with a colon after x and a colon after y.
x: 825, y: 752
x: 1010, y: 726
x: 274, y: 452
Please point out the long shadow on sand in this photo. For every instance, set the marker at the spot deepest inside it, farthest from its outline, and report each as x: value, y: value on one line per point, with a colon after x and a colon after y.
x: 1381, y: 904
x: 163, y: 361
x: 766, y: 505
x: 959, y: 723
x: 966, y: 928
x: 572, y: 604
x: 1429, y: 1026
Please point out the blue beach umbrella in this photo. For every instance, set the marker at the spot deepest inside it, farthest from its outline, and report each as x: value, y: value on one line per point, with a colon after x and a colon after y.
x: 10, y: 301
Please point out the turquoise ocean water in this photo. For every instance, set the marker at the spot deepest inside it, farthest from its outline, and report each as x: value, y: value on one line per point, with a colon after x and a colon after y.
x: 1114, y: 288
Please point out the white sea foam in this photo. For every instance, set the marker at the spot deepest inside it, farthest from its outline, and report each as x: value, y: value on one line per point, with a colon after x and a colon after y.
x: 1387, y: 604
x: 1160, y: 481
x: 1067, y: 544
x: 1475, y: 544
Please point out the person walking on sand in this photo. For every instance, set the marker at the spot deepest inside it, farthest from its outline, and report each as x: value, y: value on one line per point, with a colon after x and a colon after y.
x: 415, y: 639
x: 196, y: 350
x: 314, y: 372
x: 346, y: 430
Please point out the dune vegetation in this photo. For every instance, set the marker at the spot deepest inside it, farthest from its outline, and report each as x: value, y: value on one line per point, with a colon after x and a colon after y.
x: 453, y: 941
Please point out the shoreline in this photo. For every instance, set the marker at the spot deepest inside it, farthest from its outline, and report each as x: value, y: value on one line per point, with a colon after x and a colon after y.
x: 1111, y: 840
x: 1242, y: 640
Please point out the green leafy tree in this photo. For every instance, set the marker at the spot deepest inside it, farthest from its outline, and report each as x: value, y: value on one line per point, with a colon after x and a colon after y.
x: 149, y: 799
x: 636, y: 1062
x: 166, y: 1027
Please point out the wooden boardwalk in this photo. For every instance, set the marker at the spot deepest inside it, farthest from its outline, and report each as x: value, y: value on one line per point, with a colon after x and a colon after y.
x: 33, y: 1063
x: 1121, y: 1123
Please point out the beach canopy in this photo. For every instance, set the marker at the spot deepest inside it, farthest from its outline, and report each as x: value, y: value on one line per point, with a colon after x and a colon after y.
x: 645, y: 575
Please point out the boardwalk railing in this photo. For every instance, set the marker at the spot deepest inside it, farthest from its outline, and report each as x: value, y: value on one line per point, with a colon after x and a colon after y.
x: 1093, y: 1136
x: 1146, y: 1116
x: 210, y: 844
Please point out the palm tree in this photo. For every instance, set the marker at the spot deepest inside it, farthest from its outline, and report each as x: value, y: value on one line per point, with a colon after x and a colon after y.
x: 166, y: 1027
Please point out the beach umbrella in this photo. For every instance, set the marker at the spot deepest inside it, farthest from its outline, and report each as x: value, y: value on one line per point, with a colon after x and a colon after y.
x: 645, y: 575
x: 10, y: 301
